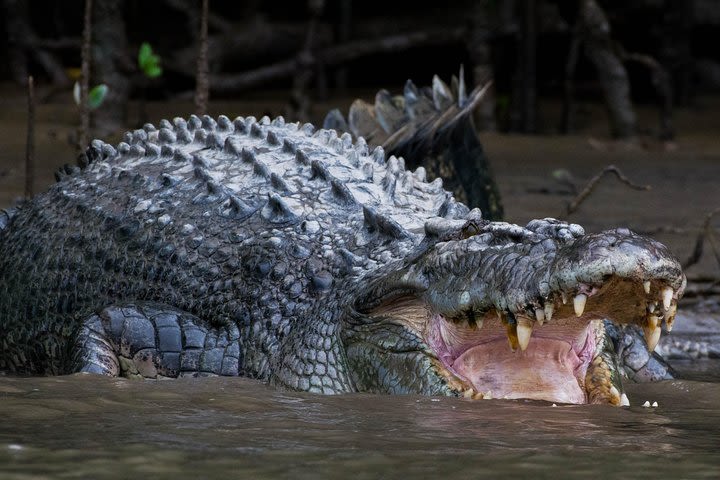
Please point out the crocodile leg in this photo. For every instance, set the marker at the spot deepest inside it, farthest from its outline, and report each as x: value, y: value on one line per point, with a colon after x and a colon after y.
x: 640, y: 364
x: 155, y: 341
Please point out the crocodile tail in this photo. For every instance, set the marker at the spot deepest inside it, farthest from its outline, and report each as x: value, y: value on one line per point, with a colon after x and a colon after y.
x: 430, y: 127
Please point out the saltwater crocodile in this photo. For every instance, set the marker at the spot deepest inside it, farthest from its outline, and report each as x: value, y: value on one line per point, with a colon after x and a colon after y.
x: 271, y: 250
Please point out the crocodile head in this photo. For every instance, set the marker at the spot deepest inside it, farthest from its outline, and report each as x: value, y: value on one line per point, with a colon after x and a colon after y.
x: 501, y: 311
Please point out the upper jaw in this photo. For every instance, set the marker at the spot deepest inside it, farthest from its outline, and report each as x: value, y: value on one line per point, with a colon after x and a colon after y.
x: 614, y: 274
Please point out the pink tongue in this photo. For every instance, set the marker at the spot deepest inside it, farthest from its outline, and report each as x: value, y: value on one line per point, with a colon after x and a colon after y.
x: 545, y: 371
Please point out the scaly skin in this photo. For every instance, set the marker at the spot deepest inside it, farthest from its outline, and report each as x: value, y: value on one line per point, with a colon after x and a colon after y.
x: 267, y: 250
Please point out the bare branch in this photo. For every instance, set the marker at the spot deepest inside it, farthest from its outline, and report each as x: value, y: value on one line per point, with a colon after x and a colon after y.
x: 334, y: 55
x: 575, y: 203
x: 55, y: 43
x: 706, y: 232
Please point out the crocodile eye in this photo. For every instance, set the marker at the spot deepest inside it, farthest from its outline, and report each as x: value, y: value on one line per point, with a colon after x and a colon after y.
x: 470, y: 230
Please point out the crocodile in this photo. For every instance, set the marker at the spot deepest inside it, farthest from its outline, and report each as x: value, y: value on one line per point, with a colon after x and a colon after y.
x: 432, y: 127
x: 280, y: 252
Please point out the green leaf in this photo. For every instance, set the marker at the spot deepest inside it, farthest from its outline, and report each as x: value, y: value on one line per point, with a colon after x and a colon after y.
x: 148, y: 62
x: 144, y: 54
x: 97, y: 95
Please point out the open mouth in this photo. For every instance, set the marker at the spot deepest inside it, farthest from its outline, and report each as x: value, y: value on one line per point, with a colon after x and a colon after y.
x: 550, y: 351
x: 513, y: 313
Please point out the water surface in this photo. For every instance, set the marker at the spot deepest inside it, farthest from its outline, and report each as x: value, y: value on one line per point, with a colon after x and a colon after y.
x: 84, y: 426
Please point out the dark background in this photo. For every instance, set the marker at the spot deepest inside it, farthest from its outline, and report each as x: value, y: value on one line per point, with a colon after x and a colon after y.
x: 523, y: 46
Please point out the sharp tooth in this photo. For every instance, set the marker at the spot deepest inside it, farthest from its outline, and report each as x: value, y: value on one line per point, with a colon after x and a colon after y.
x: 540, y: 315
x: 524, y: 332
x: 646, y: 286
x: 469, y: 393
x: 624, y: 402
x: 549, y: 308
x: 614, y: 393
x: 563, y: 297
x: 479, y: 323
x: 488, y: 395
x: 579, y: 304
x: 652, y: 332
x: 667, y: 294
x: 651, y: 307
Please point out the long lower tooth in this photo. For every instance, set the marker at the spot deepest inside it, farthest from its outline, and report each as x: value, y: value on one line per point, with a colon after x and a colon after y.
x: 579, y: 304
x: 624, y: 401
x: 540, y: 315
x: 646, y: 286
x: 667, y: 294
x: 524, y: 332
x: 651, y: 307
x: 652, y: 332
x: 563, y: 297
x: 549, y: 309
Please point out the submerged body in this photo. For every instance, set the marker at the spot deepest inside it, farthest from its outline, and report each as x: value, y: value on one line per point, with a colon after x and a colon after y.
x: 269, y: 250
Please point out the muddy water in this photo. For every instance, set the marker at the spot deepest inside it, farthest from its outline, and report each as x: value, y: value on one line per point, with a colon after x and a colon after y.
x: 91, y: 427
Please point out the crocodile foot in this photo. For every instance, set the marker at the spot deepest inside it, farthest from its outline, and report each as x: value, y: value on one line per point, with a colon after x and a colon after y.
x: 155, y: 341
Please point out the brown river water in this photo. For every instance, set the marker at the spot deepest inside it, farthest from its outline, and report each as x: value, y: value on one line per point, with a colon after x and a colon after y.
x: 84, y: 426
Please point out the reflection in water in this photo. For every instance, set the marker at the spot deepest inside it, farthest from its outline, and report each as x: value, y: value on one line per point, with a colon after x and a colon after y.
x: 85, y: 426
